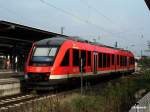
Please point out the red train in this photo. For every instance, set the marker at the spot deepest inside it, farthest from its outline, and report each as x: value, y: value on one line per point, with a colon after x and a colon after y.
x: 54, y: 61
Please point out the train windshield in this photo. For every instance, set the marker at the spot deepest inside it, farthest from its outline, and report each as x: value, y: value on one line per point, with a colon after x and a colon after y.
x: 43, y: 56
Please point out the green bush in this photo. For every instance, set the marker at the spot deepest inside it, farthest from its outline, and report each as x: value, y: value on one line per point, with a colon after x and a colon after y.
x: 145, y: 62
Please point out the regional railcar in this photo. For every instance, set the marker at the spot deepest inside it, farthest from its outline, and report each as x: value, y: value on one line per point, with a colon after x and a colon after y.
x: 54, y: 61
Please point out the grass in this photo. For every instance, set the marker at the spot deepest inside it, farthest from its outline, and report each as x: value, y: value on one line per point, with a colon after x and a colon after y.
x: 118, y: 96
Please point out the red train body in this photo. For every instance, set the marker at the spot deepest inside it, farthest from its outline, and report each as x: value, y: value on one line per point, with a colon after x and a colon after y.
x: 55, y: 60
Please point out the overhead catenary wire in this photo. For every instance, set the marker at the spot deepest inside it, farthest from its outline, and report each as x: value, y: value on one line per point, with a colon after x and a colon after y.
x: 66, y: 12
x: 97, y: 11
x: 60, y: 9
x: 100, y: 13
x: 86, y: 21
x: 76, y: 17
x: 101, y: 28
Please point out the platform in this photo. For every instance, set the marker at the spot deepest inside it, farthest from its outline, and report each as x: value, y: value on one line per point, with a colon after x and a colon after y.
x: 10, y: 83
x: 9, y: 86
x: 143, y: 105
x: 10, y: 74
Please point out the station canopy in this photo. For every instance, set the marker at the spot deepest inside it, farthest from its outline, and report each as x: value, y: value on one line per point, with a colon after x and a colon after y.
x: 20, y: 36
x: 148, y: 3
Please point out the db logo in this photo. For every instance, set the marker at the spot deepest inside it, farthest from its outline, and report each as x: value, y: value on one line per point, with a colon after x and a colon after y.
x: 38, y: 69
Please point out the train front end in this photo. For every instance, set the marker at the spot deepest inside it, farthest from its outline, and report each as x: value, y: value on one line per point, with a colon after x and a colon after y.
x: 40, y: 63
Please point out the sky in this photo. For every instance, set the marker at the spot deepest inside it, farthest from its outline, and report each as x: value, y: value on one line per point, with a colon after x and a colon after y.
x: 126, y: 22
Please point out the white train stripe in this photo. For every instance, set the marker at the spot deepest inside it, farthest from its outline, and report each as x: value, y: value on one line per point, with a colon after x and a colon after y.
x: 65, y: 76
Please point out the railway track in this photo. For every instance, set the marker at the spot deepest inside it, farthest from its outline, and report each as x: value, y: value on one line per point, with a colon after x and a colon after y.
x: 17, y: 100
x: 7, y: 104
x: 10, y: 101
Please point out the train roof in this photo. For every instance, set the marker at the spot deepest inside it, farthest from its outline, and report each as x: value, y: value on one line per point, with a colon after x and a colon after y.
x: 58, y: 40
x: 78, y: 39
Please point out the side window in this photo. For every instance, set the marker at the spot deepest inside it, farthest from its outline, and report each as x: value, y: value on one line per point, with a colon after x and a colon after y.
x: 125, y: 60
x: 120, y: 61
x: 132, y: 61
x: 65, y: 61
x: 100, y: 60
x: 104, y: 60
x: 117, y: 59
x: 75, y: 57
x: 83, y: 56
x: 89, y: 58
x: 108, y: 60
x: 113, y: 59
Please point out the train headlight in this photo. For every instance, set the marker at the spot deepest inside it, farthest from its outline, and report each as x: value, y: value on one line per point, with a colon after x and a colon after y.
x: 48, y: 74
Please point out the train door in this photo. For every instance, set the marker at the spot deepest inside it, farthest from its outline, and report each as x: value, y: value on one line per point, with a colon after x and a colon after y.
x: 95, y: 60
x: 83, y: 59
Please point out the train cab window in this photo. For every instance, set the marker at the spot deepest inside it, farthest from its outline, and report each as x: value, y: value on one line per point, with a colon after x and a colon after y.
x: 43, y: 51
x: 113, y: 59
x: 75, y: 57
x: 104, y: 60
x: 89, y: 58
x: 43, y: 56
x: 53, y: 52
x: 65, y: 61
x: 100, y: 60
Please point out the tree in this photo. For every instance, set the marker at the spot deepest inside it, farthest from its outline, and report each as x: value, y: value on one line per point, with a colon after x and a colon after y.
x: 149, y: 45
